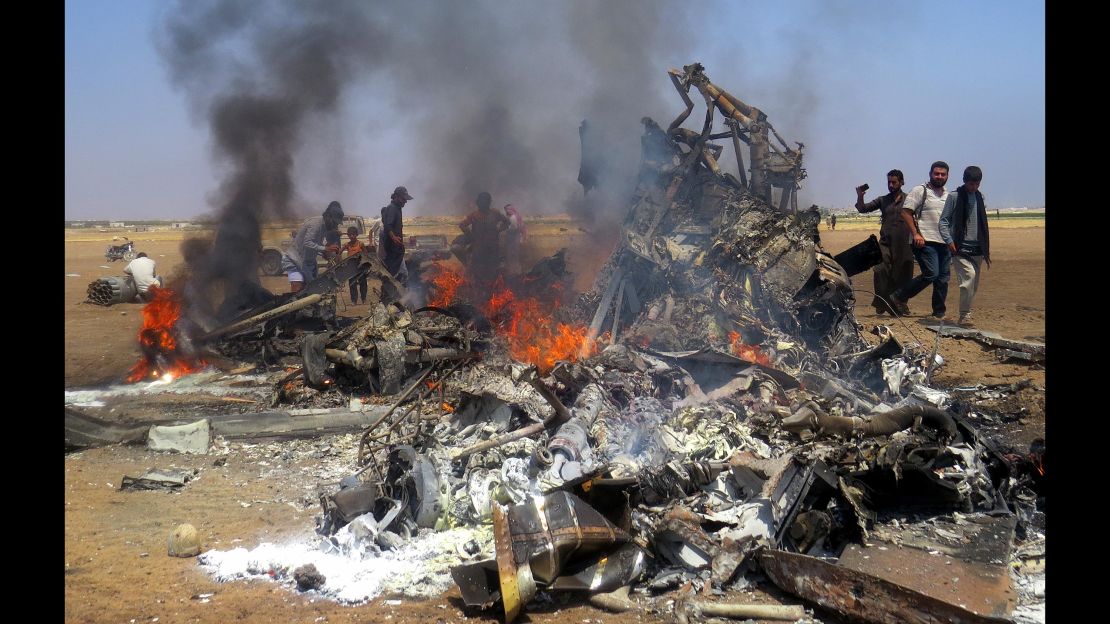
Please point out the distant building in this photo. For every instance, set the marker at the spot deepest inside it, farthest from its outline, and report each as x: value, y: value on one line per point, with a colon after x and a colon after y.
x: 182, y: 225
x: 117, y: 224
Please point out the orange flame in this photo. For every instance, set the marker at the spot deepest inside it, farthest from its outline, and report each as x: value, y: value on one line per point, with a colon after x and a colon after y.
x: 527, y: 323
x: 445, y: 285
x: 533, y: 335
x: 159, y: 344
x: 751, y: 353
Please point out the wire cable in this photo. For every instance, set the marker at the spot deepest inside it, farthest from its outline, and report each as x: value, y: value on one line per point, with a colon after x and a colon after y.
x: 897, y: 316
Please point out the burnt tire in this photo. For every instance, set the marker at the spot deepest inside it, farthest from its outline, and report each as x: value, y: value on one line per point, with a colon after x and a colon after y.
x: 270, y: 263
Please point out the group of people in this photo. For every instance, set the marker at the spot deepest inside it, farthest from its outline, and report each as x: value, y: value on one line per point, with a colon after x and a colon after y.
x: 937, y: 227
x: 480, y: 245
x: 320, y: 236
x: 316, y: 236
x: 482, y: 228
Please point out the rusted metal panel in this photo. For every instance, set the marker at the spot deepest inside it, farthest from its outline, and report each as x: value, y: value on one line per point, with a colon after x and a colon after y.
x: 981, y: 588
x: 861, y: 596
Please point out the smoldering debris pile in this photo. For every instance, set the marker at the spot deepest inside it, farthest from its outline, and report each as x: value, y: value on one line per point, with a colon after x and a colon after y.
x: 721, y: 419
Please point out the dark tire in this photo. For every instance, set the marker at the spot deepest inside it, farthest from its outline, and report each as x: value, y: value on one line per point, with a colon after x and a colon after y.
x: 271, y: 262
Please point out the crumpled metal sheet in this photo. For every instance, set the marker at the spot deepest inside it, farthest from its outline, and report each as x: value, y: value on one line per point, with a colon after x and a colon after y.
x: 158, y: 480
x: 710, y: 432
x: 481, y: 410
x: 537, y: 539
x: 894, y: 371
x: 680, y: 539
x: 391, y: 362
x: 860, y: 595
x: 515, y: 480
x: 312, y: 357
x: 482, y: 378
x: 751, y: 526
x: 632, y: 432
x: 939, y: 398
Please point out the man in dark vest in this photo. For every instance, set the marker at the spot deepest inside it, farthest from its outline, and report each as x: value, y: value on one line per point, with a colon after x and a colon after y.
x: 963, y: 225
x: 894, y: 243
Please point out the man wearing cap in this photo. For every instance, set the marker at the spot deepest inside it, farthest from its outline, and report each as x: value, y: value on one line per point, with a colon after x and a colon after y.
x: 299, y: 260
x: 391, y: 240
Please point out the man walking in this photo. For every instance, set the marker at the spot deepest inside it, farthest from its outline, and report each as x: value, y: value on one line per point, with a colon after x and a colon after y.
x: 921, y: 212
x: 391, y: 239
x: 896, y: 267
x: 963, y: 226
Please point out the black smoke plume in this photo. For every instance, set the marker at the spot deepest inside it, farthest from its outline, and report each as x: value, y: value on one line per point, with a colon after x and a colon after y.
x: 491, y: 95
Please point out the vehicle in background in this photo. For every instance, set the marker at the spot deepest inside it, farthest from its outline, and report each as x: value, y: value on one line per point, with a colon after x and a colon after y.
x: 125, y: 252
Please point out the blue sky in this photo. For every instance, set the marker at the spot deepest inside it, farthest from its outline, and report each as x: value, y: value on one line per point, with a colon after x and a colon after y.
x: 867, y: 86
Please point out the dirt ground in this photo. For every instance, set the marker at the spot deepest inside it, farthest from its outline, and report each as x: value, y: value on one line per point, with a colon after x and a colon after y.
x: 116, y: 567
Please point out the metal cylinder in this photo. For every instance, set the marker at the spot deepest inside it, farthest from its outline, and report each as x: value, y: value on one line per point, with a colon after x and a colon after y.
x: 571, y: 441
x: 540, y: 460
x: 107, y: 291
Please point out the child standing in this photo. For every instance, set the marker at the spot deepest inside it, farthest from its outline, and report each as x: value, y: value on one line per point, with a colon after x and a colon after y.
x: 357, y: 283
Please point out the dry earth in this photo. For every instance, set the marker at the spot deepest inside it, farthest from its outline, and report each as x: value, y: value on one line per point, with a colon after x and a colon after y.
x: 116, y: 567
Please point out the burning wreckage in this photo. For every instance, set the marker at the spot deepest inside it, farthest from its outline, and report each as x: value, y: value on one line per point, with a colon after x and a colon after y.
x: 708, y: 412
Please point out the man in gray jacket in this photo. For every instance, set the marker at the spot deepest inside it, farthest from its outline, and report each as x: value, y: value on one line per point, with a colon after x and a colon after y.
x: 963, y: 226
x: 299, y: 260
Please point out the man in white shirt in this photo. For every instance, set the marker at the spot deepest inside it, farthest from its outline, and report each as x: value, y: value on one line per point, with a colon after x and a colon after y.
x: 141, y: 272
x: 921, y: 211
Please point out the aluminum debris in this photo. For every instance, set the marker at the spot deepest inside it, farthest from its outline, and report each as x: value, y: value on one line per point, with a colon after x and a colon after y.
x: 707, y: 413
